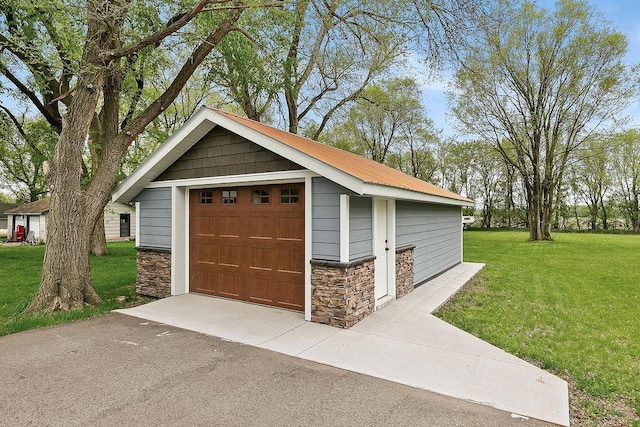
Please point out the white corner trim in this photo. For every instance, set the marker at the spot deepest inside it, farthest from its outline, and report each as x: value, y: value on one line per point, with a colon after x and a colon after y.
x: 185, y: 233
x: 137, y: 204
x: 344, y: 228
x: 178, y: 261
x: 391, y: 243
x: 461, y: 236
x: 308, y: 244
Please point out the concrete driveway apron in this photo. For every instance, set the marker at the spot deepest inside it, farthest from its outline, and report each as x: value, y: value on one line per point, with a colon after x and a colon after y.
x: 402, y: 342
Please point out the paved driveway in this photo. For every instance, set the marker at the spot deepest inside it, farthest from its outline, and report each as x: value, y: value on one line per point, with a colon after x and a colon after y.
x: 403, y: 342
x: 120, y: 370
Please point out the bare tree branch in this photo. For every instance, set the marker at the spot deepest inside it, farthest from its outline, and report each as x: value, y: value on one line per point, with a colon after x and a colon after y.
x: 160, y: 35
x: 51, y: 116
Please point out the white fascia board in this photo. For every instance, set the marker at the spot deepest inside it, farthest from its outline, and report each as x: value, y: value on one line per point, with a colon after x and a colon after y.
x: 402, y: 194
x: 175, y: 146
x: 306, y: 161
x: 246, y: 179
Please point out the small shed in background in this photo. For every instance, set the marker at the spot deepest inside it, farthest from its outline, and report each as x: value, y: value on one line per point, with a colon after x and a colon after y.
x: 119, y: 221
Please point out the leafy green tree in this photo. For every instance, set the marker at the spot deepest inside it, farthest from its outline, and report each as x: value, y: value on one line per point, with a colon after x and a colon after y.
x: 24, y: 146
x: 592, y: 172
x: 383, y: 121
x: 460, y: 162
x: 316, y: 57
x: 75, y: 61
x: 5, y: 198
x: 416, y: 155
x: 626, y: 170
x: 488, y: 168
x: 537, y: 86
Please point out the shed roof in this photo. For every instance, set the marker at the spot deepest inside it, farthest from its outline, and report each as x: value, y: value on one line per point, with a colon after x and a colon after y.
x: 4, y: 207
x: 361, y: 175
x: 33, y: 208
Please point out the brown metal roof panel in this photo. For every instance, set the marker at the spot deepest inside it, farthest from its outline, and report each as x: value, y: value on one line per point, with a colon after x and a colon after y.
x: 360, y: 167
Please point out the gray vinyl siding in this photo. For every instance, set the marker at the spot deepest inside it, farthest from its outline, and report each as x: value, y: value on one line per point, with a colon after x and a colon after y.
x: 360, y: 227
x: 326, y: 219
x: 435, y: 230
x: 155, y: 217
x: 221, y: 153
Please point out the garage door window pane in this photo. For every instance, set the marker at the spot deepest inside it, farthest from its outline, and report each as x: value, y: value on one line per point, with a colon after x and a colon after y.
x: 260, y: 197
x: 229, y: 197
x: 289, y: 195
x: 206, y: 197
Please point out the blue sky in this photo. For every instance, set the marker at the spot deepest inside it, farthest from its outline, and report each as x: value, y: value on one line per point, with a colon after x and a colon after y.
x: 625, y: 17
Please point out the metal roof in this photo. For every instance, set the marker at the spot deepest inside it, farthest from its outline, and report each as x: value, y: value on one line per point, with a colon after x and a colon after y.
x: 356, y: 173
x: 360, y: 167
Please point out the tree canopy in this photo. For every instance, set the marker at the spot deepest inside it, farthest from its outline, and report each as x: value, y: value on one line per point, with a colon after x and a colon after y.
x: 536, y: 87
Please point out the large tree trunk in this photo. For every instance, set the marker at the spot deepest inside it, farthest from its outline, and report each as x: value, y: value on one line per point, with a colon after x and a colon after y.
x: 99, y: 238
x: 66, y: 273
x: 534, y: 205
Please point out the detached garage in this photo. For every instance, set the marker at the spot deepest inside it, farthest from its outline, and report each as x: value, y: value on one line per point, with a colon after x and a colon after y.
x: 234, y: 208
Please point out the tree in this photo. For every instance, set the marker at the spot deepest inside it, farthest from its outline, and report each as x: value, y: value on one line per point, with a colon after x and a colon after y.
x: 461, y: 156
x: 626, y: 169
x: 5, y: 198
x: 334, y: 50
x: 249, y: 70
x: 382, y: 121
x: 81, y: 61
x: 416, y: 155
x: 593, y: 180
x: 311, y: 59
x: 537, y: 86
x: 24, y: 147
x: 488, y: 171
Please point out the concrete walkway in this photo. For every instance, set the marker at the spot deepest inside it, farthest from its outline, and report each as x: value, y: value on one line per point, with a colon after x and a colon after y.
x: 402, y: 342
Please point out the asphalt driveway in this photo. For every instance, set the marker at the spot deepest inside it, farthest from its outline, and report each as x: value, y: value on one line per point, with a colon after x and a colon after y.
x: 120, y: 370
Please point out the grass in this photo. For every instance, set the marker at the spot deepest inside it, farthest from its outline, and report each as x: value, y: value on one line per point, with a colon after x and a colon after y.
x: 570, y: 305
x: 113, y: 275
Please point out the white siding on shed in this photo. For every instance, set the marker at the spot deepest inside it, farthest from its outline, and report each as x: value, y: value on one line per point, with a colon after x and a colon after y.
x: 112, y: 220
x: 42, y: 229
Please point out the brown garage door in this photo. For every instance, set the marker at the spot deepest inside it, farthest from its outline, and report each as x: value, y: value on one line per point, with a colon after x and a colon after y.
x: 247, y: 243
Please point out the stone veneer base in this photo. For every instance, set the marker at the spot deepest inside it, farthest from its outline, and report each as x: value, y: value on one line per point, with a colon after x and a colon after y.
x: 404, y: 271
x: 342, y: 294
x: 154, y: 272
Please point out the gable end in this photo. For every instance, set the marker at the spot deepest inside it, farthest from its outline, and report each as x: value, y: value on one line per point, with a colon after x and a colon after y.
x: 221, y: 153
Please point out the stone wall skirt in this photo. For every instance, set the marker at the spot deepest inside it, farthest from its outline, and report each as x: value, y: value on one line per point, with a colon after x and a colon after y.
x: 342, y: 293
x: 154, y: 272
x: 404, y: 271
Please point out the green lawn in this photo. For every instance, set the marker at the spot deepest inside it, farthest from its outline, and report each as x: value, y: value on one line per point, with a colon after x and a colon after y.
x: 571, y: 305
x: 113, y: 275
